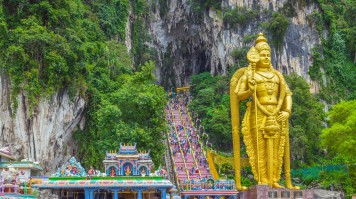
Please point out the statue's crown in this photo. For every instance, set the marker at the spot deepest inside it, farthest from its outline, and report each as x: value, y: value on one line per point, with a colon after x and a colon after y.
x: 261, y: 43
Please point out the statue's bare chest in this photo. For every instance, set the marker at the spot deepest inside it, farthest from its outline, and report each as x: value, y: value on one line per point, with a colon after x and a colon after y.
x: 267, y: 84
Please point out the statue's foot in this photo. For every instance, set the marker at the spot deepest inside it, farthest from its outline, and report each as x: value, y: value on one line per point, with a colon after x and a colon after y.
x: 242, y: 188
x: 289, y: 186
x: 264, y: 181
x: 276, y: 185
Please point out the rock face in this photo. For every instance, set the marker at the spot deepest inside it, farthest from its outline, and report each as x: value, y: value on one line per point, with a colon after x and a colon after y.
x: 45, y: 136
x: 188, y: 43
x: 324, y: 194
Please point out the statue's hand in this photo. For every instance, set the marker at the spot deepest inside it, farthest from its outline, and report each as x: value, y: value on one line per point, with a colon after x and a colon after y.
x: 251, y: 85
x: 283, y: 115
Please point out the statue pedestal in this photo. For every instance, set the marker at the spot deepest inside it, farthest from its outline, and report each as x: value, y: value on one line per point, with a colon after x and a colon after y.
x: 266, y: 192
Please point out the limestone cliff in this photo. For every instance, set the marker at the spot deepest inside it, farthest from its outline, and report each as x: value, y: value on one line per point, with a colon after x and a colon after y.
x: 188, y: 43
x: 45, y: 136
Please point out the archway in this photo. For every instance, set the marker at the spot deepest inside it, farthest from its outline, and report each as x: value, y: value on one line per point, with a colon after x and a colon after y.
x: 128, y: 169
x: 143, y: 171
x: 112, y: 171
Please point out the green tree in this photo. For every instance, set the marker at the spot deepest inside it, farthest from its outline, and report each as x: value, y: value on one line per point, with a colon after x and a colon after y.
x: 127, y: 109
x: 305, y: 122
x: 49, y: 45
x: 219, y: 127
x: 340, y: 138
x: 212, y: 105
x: 112, y: 16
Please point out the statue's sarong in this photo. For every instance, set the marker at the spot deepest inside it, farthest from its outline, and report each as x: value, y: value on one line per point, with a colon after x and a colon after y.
x: 250, y: 140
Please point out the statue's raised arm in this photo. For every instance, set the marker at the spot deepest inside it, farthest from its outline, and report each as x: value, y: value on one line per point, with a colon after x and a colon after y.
x: 265, y: 123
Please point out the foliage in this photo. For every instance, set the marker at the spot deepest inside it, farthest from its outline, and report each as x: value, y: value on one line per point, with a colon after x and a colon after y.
x: 315, y: 68
x: 337, y: 180
x: 317, y: 19
x: 201, y: 81
x: 336, y: 14
x: 163, y: 7
x: 239, y: 56
x: 226, y: 168
x: 200, y: 6
x: 140, y: 50
x: 211, y: 103
x: 305, y: 122
x: 249, y: 38
x: 218, y: 127
x: 340, y: 71
x: 278, y: 27
x: 339, y: 139
x: 289, y: 9
x: 330, y: 174
x: 336, y: 55
x: 127, y: 109
x: 239, y: 16
x: 112, y: 16
x: 48, y: 46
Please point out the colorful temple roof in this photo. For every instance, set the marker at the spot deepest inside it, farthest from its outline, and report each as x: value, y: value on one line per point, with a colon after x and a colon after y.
x: 22, y: 165
x: 71, y: 168
x: 128, y: 161
x: 127, y: 151
x: 124, y: 149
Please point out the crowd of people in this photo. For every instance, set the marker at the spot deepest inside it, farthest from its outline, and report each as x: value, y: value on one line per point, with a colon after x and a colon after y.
x: 184, y: 140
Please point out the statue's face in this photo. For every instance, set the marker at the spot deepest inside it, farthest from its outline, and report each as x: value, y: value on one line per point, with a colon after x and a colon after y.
x: 265, y: 59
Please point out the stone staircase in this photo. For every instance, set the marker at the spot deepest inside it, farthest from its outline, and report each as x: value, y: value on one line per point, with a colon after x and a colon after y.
x: 188, y: 158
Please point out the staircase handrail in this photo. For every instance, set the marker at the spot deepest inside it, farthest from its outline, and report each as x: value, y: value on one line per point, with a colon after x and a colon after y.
x: 174, y: 165
x: 212, y: 166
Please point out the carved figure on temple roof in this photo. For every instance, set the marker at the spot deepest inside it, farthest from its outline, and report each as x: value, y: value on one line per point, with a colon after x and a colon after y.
x: 128, y: 170
x: 112, y: 172
x: 143, y: 171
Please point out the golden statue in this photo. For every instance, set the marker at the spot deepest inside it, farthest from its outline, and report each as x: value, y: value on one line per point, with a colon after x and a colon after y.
x: 267, y: 143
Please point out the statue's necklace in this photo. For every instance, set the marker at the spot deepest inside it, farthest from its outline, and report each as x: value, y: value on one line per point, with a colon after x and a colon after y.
x: 269, y: 84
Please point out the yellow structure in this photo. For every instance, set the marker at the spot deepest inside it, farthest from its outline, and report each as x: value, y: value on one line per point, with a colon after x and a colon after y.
x: 265, y: 123
x: 184, y: 89
x: 213, y: 171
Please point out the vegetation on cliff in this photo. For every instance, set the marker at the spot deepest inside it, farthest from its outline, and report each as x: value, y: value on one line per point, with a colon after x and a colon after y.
x: 78, y: 46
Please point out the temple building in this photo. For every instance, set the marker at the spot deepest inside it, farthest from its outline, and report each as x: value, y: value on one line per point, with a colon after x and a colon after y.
x: 15, y: 175
x: 127, y: 162
x: 127, y: 176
